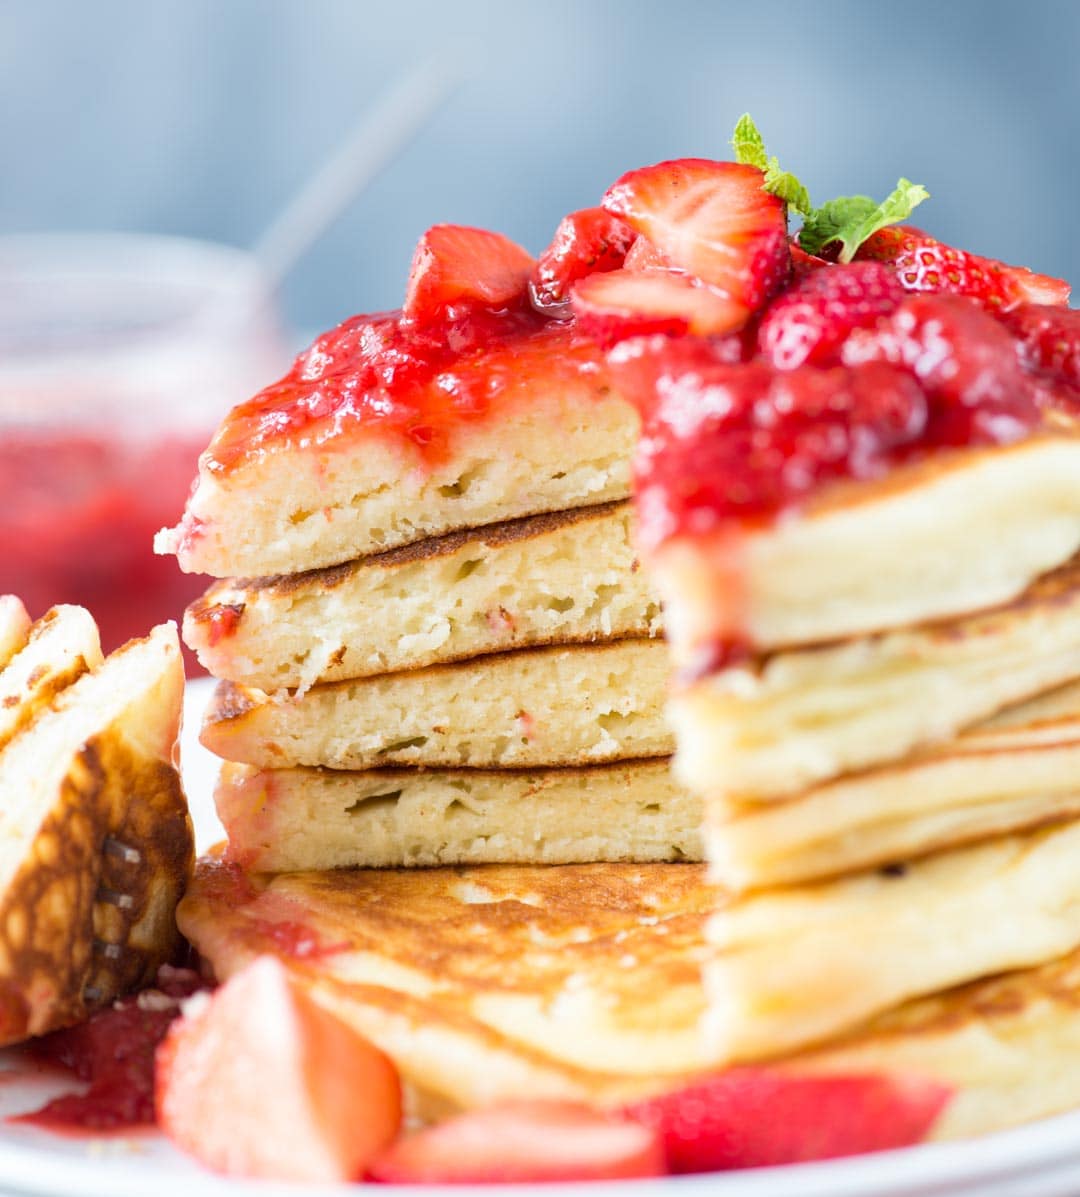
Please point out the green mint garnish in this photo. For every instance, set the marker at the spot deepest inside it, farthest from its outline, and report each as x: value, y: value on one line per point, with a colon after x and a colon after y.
x: 851, y: 219
x: 749, y: 148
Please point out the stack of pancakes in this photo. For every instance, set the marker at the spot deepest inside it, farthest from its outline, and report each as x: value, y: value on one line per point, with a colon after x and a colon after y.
x: 491, y: 694
x: 896, y: 853
x: 892, y: 777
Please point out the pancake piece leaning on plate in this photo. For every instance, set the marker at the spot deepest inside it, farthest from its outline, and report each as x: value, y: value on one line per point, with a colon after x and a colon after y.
x: 95, y: 840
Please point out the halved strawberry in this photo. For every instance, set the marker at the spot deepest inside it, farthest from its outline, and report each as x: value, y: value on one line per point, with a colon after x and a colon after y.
x: 521, y: 1142
x: 454, y: 264
x: 624, y: 303
x: 810, y: 321
x: 752, y: 1117
x: 643, y: 255
x: 586, y: 242
x: 258, y: 1080
x: 923, y: 263
x: 712, y: 219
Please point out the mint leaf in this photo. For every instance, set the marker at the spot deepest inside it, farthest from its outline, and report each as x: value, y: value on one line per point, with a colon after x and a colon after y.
x: 851, y: 219
x: 749, y: 147
x: 787, y: 187
x: 748, y: 144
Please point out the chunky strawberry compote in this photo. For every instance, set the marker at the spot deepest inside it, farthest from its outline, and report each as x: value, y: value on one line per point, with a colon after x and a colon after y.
x: 388, y: 377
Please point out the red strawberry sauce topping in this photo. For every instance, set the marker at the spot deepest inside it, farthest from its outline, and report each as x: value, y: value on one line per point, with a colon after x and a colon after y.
x: 383, y: 376
x: 114, y: 1052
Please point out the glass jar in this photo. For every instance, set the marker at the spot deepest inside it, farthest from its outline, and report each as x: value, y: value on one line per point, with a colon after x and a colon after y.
x: 119, y: 355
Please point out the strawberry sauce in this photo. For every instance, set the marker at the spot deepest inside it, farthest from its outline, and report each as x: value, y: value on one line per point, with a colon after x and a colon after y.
x: 414, y: 384
x: 731, y: 444
x: 114, y: 1052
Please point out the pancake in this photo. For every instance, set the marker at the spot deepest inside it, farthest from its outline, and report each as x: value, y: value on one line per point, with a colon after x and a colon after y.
x: 1018, y: 770
x: 95, y: 840
x: 553, y: 434
x: 465, y: 977
x: 59, y: 648
x: 571, y: 577
x: 292, y: 819
x: 545, y: 706
x: 14, y: 627
x: 956, y: 533
x: 798, y: 718
x: 1009, y: 1046
x: 485, y: 982
x: 796, y: 966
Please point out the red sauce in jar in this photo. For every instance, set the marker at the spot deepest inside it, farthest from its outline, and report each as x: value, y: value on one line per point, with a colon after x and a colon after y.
x: 78, y: 520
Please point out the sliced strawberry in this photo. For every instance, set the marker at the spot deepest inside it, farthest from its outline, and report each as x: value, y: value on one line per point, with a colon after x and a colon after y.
x: 454, y: 264
x: 1049, y: 339
x: 643, y: 255
x: 524, y: 1142
x: 712, y: 219
x: 755, y: 1117
x: 926, y: 264
x: 260, y: 1081
x: 624, y: 303
x: 810, y: 321
x: 965, y: 360
x: 586, y: 242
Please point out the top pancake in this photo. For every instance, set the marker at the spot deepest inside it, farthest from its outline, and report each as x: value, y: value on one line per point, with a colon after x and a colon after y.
x: 555, y: 436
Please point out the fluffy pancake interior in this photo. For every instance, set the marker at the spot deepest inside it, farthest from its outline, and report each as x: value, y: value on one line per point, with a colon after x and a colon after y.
x: 14, y: 627
x: 1019, y: 769
x: 960, y: 532
x: 294, y: 819
x: 568, y: 577
x: 809, y: 715
x: 554, y: 447
x: 61, y: 646
x: 553, y: 706
x: 886, y: 937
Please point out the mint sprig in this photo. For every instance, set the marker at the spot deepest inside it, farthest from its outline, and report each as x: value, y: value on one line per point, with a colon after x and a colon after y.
x: 852, y: 219
x: 749, y: 148
x: 849, y: 219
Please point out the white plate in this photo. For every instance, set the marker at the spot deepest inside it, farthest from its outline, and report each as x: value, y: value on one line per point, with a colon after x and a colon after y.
x: 1041, y: 1160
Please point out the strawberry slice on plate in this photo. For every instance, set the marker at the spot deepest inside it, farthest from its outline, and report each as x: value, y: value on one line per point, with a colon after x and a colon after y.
x: 923, y: 263
x: 259, y: 1081
x: 521, y: 1142
x: 626, y: 303
x: 456, y: 264
x: 586, y: 242
x: 754, y: 1117
x: 712, y: 219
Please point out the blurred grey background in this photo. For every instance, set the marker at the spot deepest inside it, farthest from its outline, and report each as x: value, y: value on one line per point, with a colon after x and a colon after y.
x: 202, y: 117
